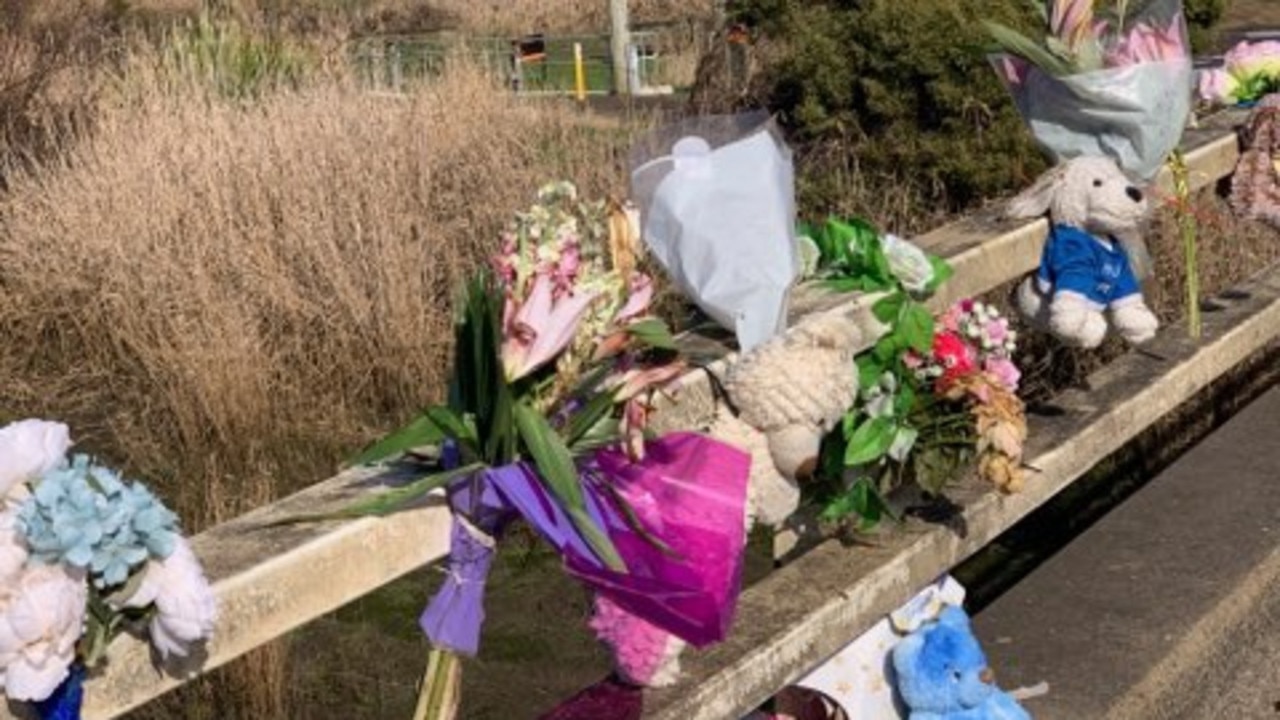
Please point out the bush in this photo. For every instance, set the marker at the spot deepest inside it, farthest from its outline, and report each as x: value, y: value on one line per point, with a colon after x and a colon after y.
x: 895, y: 94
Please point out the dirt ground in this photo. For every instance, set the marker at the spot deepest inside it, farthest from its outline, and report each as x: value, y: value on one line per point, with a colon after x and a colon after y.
x: 1251, y: 15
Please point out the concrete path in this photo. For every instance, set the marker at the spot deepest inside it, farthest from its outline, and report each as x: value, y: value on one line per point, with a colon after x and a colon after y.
x: 1169, y: 607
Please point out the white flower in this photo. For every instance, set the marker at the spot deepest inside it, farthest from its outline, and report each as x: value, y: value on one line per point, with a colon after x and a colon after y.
x: 29, y: 449
x: 40, y: 623
x: 183, y: 598
x: 13, y: 551
x: 908, y: 263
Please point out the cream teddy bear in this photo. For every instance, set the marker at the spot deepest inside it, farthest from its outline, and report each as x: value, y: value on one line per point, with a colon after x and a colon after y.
x: 1087, y: 266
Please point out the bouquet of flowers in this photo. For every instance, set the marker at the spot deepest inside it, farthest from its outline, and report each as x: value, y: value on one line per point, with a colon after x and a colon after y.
x: 935, y: 394
x: 1113, y: 80
x: 555, y: 365
x: 1249, y: 72
x: 84, y: 556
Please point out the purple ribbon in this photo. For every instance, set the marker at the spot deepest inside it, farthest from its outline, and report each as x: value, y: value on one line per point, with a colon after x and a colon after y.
x: 689, y: 492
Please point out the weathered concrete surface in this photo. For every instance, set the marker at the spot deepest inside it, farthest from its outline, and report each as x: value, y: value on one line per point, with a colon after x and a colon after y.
x: 806, y: 611
x: 272, y: 580
x: 1142, y: 616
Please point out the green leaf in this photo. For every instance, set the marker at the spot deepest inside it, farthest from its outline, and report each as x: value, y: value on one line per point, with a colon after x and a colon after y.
x: 453, y: 425
x: 422, y: 431
x: 869, y: 442
x: 942, y: 272
x: 1016, y: 43
x: 888, y: 309
x: 653, y: 333
x: 556, y: 468
x: 916, y: 329
x: 588, y: 416
x: 387, y: 502
x: 887, y: 349
x: 870, y: 370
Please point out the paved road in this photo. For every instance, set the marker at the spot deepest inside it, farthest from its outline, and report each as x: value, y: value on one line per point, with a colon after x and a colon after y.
x: 1169, y: 607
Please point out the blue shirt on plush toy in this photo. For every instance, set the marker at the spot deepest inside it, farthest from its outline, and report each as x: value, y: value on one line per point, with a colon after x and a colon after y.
x: 943, y: 675
x: 1087, y: 265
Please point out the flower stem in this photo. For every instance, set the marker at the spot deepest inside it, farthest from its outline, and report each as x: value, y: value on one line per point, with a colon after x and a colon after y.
x: 440, y: 696
x: 1188, y: 228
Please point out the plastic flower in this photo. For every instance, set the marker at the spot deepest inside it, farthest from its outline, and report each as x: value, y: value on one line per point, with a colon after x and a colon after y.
x: 1219, y: 86
x: 83, y: 515
x: 1145, y: 43
x: 908, y: 263
x: 40, y: 622
x: 186, y: 606
x: 954, y: 355
x: 541, y: 327
x: 13, y: 550
x: 1004, y: 371
x: 1260, y: 58
x: 28, y: 449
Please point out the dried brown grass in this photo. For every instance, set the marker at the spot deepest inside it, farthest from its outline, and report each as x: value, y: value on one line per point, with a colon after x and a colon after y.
x: 484, y: 17
x: 227, y: 299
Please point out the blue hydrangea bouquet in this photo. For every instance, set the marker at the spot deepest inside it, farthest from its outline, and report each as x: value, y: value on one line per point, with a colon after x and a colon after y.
x: 84, y: 556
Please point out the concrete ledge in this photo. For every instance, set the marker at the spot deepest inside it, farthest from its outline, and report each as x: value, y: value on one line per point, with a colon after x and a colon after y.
x: 272, y: 580
x: 803, y: 613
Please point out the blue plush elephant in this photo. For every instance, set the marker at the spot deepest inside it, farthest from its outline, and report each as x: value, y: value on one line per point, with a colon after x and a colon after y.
x: 943, y: 674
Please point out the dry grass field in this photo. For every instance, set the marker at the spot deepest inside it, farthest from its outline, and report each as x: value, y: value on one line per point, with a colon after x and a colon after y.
x: 227, y: 266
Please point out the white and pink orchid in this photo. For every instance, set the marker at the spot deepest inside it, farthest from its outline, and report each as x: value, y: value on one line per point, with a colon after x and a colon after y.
x: 540, y: 327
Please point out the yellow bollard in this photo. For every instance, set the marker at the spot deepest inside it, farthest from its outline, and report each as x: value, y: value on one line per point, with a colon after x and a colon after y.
x: 579, y: 74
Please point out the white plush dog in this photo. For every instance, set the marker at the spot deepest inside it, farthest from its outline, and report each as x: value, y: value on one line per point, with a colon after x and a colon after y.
x: 1095, y: 212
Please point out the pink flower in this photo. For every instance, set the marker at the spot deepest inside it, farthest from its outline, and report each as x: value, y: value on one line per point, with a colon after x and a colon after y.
x: 1145, y: 43
x: 541, y: 327
x: 997, y: 331
x: 1071, y: 20
x: 29, y: 449
x: 951, y: 319
x: 1012, y: 69
x: 41, y: 619
x: 639, y: 297
x: 1004, y: 371
x: 637, y: 380
x: 185, y: 603
x: 1218, y: 86
x: 1247, y: 59
x: 644, y: 653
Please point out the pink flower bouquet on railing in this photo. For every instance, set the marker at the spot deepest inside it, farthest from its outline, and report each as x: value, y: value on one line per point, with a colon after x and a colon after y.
x: 84, y: 557
x: 1249, y: 72
x: 1113, y: 80
x: 556, y: 362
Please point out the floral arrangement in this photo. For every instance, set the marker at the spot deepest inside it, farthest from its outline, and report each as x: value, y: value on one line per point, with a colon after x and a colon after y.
x: 1249, y: 72
x: 556, y: 364
x: 1081, y: 38
x: 935, y: 394
x: 84, y: 556
x: 1106, y: 78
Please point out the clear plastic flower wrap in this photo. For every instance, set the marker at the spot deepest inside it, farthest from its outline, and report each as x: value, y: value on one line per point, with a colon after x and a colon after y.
x: 717, y: 206
x: 1115, y: 81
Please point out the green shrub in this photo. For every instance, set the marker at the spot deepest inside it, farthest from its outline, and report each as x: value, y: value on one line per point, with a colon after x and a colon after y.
x: 892, y: 94
x: 1202, y: 17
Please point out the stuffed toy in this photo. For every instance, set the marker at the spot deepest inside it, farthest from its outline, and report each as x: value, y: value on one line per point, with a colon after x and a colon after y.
x: 788, y: 394
x: 1087, y: 265
x: 942, y: 674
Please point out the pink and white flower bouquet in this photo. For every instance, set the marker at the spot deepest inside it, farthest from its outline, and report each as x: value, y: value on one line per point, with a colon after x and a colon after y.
x: 1249, y: 72
x: 1110, y: 78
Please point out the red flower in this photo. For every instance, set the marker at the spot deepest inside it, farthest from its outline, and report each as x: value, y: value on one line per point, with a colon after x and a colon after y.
x: 955, y: 357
